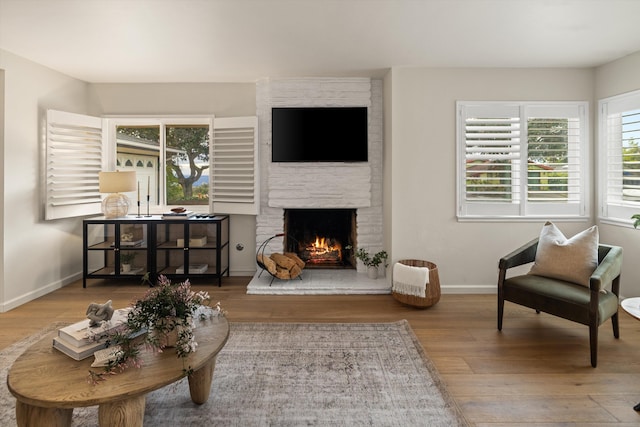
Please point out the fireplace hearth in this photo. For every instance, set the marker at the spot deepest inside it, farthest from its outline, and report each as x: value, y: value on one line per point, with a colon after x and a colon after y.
x: 322, y: 238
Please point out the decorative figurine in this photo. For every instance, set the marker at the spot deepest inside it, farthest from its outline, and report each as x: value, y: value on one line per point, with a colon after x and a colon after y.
x: 97, y: 313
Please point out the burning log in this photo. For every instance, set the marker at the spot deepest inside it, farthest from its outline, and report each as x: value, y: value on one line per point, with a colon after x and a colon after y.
x: 315, y: 257
x: 322, y: 251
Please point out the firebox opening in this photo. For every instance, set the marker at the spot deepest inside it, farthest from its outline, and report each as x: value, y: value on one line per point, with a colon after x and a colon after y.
x: 323, y: 238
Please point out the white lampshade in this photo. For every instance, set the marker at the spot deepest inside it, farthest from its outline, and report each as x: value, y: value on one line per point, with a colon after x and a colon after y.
x: 116, y: 204
x: 117, y: 182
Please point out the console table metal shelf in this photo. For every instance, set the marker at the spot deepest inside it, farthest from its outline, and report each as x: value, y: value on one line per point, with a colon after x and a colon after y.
x: 177, y: 248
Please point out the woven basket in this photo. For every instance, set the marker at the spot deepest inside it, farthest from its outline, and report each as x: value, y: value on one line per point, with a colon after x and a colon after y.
x: 432, y: 292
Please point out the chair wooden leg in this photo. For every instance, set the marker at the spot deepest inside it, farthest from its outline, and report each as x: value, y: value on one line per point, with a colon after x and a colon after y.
x: 614, y: 322
x: 500, y: 312
x: 593, y: 344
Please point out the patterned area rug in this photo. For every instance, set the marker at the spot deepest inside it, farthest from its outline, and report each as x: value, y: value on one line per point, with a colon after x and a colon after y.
x: 297, y: 374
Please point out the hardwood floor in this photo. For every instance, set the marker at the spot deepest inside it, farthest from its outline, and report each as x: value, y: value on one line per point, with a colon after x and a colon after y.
x: 535, y: 373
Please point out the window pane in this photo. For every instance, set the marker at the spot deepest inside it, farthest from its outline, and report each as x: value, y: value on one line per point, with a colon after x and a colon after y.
x: 138, y: 149
x: 187, y: 170
x: 492, y: 155
x: 630, y: 137
x: 548, y: 152
x: 488, y: 180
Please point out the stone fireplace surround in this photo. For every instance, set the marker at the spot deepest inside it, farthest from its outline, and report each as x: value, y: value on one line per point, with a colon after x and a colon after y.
x: 343, y: 185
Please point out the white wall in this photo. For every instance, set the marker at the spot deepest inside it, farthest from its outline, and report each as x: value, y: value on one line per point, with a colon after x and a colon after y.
x: 613, y: 79
x: 419, y: 163
x: 38, y: 256
x: 2, y: 113
x: 387, y: 161
x: 219, y: 99
x: 423, y: 157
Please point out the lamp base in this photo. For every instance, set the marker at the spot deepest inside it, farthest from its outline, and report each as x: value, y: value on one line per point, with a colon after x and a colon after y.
x: 115, y: 205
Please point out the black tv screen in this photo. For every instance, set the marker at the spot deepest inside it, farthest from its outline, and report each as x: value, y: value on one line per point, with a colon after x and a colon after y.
x: 319, y: 134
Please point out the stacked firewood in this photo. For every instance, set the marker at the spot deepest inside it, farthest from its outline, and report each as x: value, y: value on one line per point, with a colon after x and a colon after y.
x: 283, y: 266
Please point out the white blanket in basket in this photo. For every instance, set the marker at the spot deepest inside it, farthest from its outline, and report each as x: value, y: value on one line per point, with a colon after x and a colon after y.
x: 410, y: 280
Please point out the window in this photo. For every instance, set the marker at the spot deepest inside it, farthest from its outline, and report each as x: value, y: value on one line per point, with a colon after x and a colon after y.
x: 178, y: 151
x: 188, y: 155
x: 522, y: 160
x: 173, y: 158
x: 619, y: 157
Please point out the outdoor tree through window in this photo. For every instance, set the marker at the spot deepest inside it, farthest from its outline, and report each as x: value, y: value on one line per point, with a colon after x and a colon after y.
x: 183, y: 178
x: 187, y: 160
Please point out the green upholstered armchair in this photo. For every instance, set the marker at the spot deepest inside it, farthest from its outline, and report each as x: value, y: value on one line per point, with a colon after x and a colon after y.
x: 585, y: 305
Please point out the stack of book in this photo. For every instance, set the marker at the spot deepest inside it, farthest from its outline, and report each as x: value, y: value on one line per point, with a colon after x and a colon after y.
x: 103, y: 357
x: 193, y: 242
x: 178, y: 215
x: 193, y: 268
x: 80, y: 340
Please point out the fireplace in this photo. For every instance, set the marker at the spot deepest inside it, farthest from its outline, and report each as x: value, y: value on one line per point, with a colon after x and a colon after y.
x: 323, y: 238
x: 320, y: 186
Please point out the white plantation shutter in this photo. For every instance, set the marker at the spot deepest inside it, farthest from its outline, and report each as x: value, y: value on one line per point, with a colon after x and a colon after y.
x: 74, y: 157
x: 619, y: 156
x: 556, y: 151
x: 492, y: 148
x: 521, y: 159
x: 234, y: 166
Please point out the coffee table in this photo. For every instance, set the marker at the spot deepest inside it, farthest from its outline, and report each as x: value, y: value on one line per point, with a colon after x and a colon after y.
x: 48, y: 384
x: 632, y: 306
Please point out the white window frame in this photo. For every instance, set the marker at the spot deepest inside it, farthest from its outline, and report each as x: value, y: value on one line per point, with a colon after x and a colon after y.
x: 78, y: 147
x: 612, y: 208
x: 114, y: 122
x: 519, y: 208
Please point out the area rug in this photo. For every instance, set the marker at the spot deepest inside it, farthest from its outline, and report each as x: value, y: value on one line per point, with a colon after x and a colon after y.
x: 297, y: 374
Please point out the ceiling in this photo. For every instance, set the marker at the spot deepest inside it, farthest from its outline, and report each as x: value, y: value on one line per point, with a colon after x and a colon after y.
x: 244, y: 40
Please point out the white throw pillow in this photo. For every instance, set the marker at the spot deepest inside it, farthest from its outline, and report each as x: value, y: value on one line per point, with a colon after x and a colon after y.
x: 572, y: 260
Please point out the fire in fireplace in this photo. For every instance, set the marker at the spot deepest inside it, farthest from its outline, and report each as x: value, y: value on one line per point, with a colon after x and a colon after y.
x: 323, y: 238
x: 322, y: 250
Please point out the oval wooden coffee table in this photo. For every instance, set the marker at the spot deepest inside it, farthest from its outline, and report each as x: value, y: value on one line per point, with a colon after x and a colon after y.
x: 48, y: 384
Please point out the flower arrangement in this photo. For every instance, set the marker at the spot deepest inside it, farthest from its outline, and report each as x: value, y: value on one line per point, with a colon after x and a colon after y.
x: 371, y: 261
x: 164, y: 311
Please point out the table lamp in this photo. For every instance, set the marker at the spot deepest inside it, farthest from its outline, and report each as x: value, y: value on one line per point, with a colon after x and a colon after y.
x: 116, y: 204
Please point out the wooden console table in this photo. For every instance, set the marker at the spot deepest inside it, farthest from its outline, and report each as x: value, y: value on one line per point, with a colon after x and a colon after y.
x: 49, y: 384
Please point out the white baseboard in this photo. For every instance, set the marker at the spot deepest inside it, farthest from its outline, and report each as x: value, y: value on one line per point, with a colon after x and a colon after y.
x: 243, y: 272
x: 37, y: 293
x: 469, y: 289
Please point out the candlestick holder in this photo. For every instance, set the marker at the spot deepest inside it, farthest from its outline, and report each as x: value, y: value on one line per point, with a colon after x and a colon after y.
x: 139, y: 216
x: 148, y: 202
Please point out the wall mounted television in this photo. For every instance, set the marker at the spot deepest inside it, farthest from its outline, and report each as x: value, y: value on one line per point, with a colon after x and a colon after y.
x: 319, y: 134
